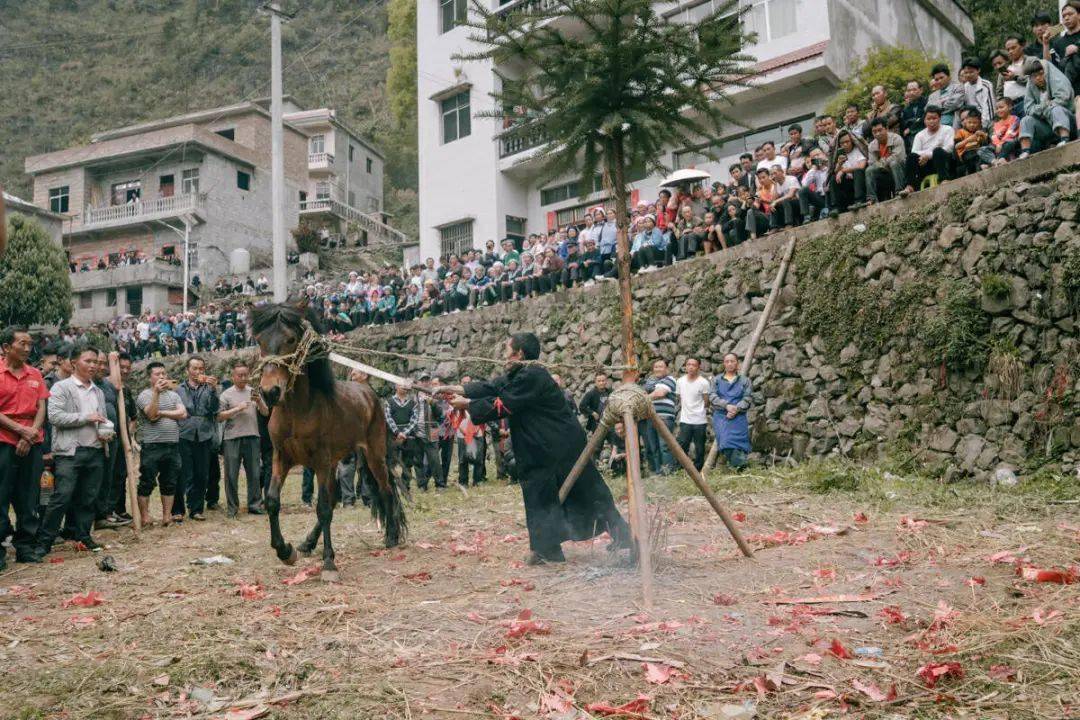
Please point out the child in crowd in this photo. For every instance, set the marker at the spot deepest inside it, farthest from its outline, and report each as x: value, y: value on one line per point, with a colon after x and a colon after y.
x: 972, y: 149
x: 1005, y: 132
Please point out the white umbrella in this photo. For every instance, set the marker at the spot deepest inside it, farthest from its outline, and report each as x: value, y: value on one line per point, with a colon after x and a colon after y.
x: 687, y: 175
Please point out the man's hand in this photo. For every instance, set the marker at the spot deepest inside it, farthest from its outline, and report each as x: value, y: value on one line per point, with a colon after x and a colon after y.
x: 28, y: 433
x: 96, y: 418
x: 459, y: 402
x: 401, y: 437
x: 1070, y: 50
x: 114, y: 355
x: 732, y: 411
x: 161, y: 385
x: 22, y: 447
x: 923, y: 159
x: 210, y: 380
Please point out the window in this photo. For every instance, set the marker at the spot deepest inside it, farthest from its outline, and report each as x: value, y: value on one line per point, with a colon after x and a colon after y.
x: 566, y: 191
x: 60, y: 199
x: 452, y: 13
x: 352, y: 152
x: 189, y: 181
x: 134, y: 300
x: 456, y: 121
x: 322, y: 190
x: 126, y: 192
x: 168, y: 251
x: 770, y: 19
x: 110, y: 297
x: 86, y: 300
x: 166, y: 186
x: 575, y: 215
x: 515, y: 230
x: 303, y: 197
x: 352, y: 198
x: 728, y: 149
x: 227, y: 133
x: 369, y: 164
x: 318, y: 144
x: 243, y: 180
x: 457, y: 238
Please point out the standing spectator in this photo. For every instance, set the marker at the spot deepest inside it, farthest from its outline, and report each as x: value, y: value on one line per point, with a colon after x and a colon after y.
x: 1005, y: 134
x: 693, y: 392
x: 429, y: 419
x: 978, y: 91
x: 160, y: 410
x: 730, y: 401
x: 239, y: 410
x: 104, y: 518
x: 1041, y: 24
x: 23, y: 396
x: 848, y: 174
x: 595, y: 400
x: 885, y: 175
x: 797, y: 150
x: 198, y: 394
x: 402, y: 412
x: 826, y: 134
x: 852, y: 120
x: 131, y: 410
x: 471, y: 446
x: 931, y: 152
x: 77, y: 415
x: 605, y: 233
x: 660, y: 387
x: 1065, y: 50
x: 1011, y: 81
x: 1047, y: 107
x: 947, y: 96
x: 911, y: 114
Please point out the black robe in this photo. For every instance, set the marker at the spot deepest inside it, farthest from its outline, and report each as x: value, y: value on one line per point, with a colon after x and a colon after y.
x: 547, y: 440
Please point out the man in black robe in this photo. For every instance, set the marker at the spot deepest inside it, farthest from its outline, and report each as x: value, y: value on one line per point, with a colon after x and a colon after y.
x: 547, y: 440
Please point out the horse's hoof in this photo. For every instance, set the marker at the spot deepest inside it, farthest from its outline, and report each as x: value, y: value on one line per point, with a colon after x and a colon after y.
x: 292, y: 558
x: 330, y: 576
x: 306, y: 552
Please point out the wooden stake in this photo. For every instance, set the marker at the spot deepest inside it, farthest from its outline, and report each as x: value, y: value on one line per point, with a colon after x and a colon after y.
x: 688, y: 465
x: 635, y: 492
x: 596, y: 440
x: 748, y: 359
x: 125, y: 442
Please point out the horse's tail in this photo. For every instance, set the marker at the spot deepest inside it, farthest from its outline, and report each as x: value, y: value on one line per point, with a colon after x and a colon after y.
x: 387, y: 509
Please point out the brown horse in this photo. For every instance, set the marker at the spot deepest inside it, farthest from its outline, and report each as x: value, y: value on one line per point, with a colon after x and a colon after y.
x: 316, y: 422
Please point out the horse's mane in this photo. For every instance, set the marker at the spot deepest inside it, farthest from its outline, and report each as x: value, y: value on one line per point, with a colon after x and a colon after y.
x: 292, y: 315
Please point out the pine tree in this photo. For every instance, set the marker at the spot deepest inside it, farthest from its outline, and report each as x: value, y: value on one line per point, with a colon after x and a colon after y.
x: 35, y: 285
x: 611, y: 85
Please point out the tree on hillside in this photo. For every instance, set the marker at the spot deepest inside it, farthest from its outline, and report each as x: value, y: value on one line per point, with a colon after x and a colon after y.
x: 401, y: 74
x: 892, y: 67
x: 35, y: 286
x: 611, y: 85
x: 995, y: 19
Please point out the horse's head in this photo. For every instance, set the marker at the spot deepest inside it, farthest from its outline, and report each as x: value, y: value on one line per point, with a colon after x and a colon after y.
x: 278, y: 329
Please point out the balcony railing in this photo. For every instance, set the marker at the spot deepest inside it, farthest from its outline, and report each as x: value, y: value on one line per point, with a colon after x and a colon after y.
x: 320, y: 160
x: 143, y: 210
x: 154, y: 271
x: 527, y: 6
x: 376, y: 229
x: 521, y: 138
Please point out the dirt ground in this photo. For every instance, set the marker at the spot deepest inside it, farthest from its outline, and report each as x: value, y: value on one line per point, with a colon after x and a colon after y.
x: 871, y: 595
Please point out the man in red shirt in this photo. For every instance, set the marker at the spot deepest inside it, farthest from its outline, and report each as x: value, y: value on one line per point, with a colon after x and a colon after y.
x: 22, y: 413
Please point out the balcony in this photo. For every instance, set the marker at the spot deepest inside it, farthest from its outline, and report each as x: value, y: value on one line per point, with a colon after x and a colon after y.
x: 320, y: 161
x: 378, y: 231
x: 521, y: 137
x: 142, y: 211
x: 152, y: 272
x: 526, y: 6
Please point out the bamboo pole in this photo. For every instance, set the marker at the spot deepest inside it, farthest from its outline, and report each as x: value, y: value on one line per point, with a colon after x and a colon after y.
x: 125, y: 441
x: 596, y: 440
x: 636, y: 495
x: 748, y: 359
x: 688, y: 465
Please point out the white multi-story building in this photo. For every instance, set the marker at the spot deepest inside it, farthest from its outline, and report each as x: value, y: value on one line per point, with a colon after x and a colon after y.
x: 478, y: 185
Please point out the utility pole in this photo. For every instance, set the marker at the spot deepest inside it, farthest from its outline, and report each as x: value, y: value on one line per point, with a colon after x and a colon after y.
x: 277, y: 153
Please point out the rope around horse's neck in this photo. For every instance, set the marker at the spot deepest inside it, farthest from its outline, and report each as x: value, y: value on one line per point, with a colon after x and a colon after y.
x: 312, y: 346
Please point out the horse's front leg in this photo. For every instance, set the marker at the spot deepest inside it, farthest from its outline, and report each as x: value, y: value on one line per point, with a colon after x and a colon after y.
x: 325, y: 512
x: 284, y: 550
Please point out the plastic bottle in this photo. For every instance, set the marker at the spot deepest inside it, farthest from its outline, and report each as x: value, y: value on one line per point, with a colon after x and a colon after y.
x: 48, y: 482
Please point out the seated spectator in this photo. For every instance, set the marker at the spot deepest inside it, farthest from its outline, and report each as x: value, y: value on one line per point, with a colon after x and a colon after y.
x: 509, y: 252
x: 386, y: 307
x: 688, y: 235
x: 551, y: 268
x: 1041, y: 24
x: 432, y: 303
x: 881, y: 107
x: 508, y: 279
x: 493, y: 291
x: 1047, y: 107
x: 827, y: 132
x: 852, y: 120
x: 591, y: 269
x: 527, y: 285
x: 606, y: 237
x: 931, y: 151
x: 1005, y: 135
x: 759, y: 214
x: 1065, y: 51
x: 714, y: 235
x: 1011, y: 81
x: 571, y: 273
x: 770, y: 158
x: 734, y: 222
x: 972, y: 148
x: 813, y: 195
x: 947, y: 95
x: 797, y: 150
x: 978, y: 91
x: 847, y: 173
x: 786, y: 206
x: 477, y: 284
x: 648, y: 247
x: 885, y: 175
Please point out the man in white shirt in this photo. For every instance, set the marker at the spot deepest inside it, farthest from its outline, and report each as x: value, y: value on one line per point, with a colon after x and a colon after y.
x: 978, y: 90
x: 786, y: 205
x: 693, y: 390
x: 768, y: 148
x: 931, y: 151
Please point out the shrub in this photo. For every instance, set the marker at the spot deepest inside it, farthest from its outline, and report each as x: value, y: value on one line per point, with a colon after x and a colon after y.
x: 306, y: 238
x: 955, y: 335
x: 892, y: 67
x: 996, y: 287
x: 35, y: 285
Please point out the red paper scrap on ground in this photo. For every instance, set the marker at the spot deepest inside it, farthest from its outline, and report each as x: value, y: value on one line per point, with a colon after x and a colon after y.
x: 860, y: 517
x: 254, y: 591
x: 837, y: 648
x: 426, y: 546
x: 1002, y: 673
x: 632, y: 709
x: 721, y: 599
x: 872, y: 691
x: 305, y: 574
x: 661, y: 674
x: 892, y: 614
x: 91, y: 598
x: 932, y: 673
x: 421, y: 576
x: 518, y: 582
x: 525, y: 625
x: 1061, y: 577
x: 902, y: 558
x: 738, y: 516
x: 973, y: 581
x: 83, y: 620
x: 476, y: 617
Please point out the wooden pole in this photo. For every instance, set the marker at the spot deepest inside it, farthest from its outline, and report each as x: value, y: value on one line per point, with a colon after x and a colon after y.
x: 692, y: 471
x: 596, y: 440
x: 748, y: 359
x: 638, y: 514
x: 125, y: 441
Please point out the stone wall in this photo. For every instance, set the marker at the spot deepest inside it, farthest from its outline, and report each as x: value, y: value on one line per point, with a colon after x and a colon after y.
x: 942, y: 328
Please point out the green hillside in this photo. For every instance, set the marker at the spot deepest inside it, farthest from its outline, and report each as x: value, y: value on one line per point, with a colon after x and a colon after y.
x: 69, y: 68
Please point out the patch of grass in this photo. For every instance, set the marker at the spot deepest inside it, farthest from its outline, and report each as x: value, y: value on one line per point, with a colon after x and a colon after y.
x: 996, y: 287
x: 955, y: 334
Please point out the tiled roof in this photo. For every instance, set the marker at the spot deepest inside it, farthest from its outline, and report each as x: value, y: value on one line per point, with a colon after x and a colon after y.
x: 792, y: 58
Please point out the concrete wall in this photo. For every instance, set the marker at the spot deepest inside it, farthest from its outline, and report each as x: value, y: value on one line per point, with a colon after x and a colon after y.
x: 838, y: 392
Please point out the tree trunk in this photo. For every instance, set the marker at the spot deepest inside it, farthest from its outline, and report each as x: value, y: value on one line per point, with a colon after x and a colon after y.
x: 617, y: 172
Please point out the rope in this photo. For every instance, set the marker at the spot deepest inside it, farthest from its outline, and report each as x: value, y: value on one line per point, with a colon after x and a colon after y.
x: 623, y: 398
x: 312, y: 346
